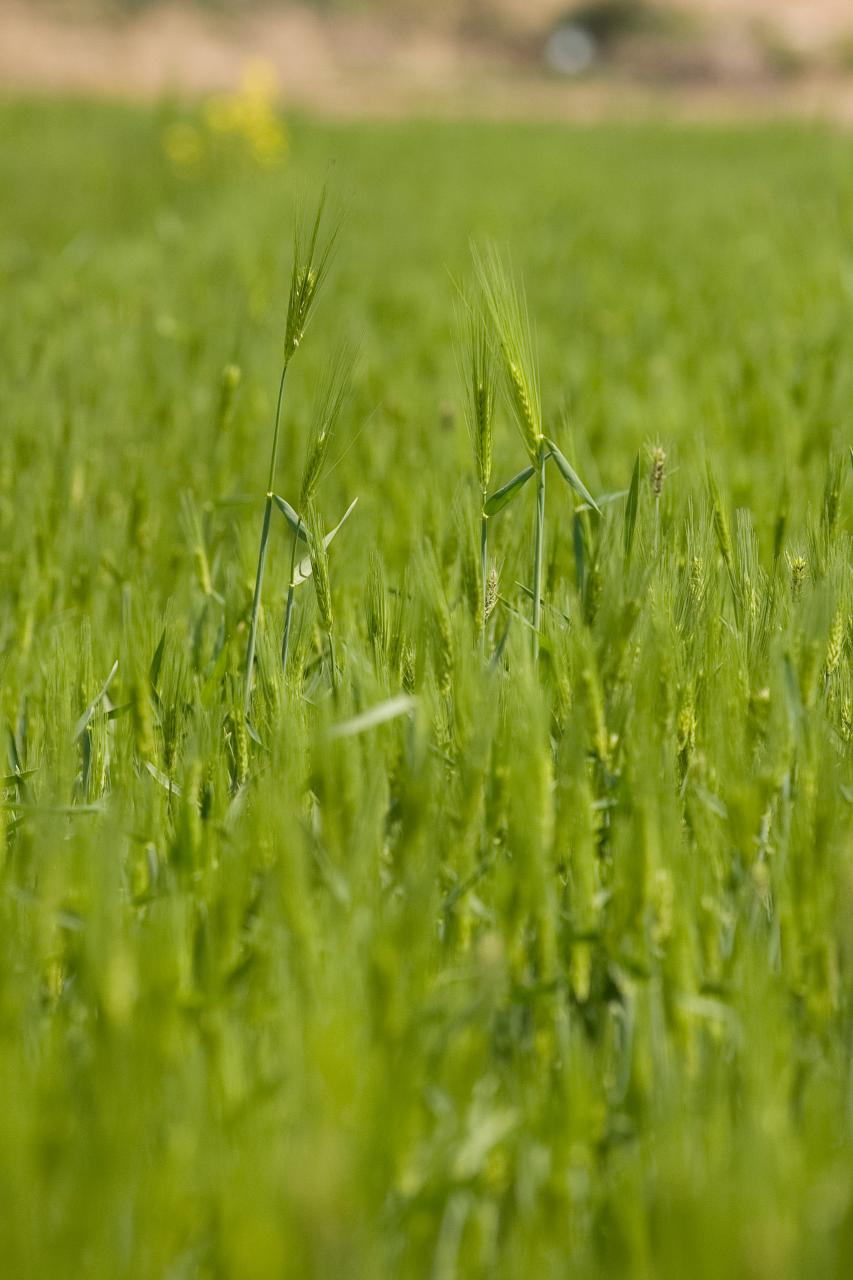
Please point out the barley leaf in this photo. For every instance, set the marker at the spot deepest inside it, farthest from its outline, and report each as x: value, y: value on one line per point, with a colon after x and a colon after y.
x: 631, y: 510
x: 579, y: 545
x: 501, y: 497
x: 157, y: 661
x: 297, y: 525
x: 163, y: 779
x: 604, y: 499
x: 93, y: 705
x: 390, y: 710
x: 16, y: 779
x: 304, y: 570
x: 571, y: 476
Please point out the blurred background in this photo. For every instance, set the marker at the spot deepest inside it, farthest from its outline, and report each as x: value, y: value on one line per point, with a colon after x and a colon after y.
x: 571, y: 58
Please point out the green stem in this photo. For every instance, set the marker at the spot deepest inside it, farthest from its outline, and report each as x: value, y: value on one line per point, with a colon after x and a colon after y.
x: 262, y: 552
x: 484, y: 570
x: 333, y: 665
x: 256, y: 602
x: 288, y: 613
x: 539, y: 547
x: 274, y: 452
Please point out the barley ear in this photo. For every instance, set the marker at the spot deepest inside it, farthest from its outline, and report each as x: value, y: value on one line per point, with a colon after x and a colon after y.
x: 320, y: 568
x: 310, y: 265
x: 327, y: 411
x: 477, y: 365
x: 505, y: 305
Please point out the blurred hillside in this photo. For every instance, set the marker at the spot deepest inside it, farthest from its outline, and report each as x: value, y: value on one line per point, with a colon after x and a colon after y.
x: 551, y: 57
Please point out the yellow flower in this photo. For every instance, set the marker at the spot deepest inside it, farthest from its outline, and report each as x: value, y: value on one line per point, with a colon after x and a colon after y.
x: 250, y: 117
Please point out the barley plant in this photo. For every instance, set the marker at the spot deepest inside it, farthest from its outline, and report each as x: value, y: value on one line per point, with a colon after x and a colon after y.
x: 478, y: 370
x: 506, y: 306
x: 326, y: 414
x: 310, y: 264
x: 355, y: 943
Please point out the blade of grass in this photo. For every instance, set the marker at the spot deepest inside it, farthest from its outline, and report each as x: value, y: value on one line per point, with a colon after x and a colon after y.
x: 571, y: 476
x: 631, y: 507
x: 500, y: 498
x: 401, y: 705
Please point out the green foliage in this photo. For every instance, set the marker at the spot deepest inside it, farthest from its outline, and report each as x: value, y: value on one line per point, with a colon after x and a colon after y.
x: 442, y: 964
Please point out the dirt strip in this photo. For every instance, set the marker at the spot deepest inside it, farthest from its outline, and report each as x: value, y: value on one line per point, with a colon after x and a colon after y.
x: 360, y: 66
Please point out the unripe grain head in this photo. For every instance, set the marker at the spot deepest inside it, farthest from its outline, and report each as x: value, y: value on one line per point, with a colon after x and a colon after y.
x: 310, y: 264
x: 477, y: 364
x: 327, y: 411
x: 506, y: 308
x: 320, y: 569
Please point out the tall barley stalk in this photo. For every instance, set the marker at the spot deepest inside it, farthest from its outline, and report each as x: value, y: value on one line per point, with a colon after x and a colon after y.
x: 539, y: 545
x: 322, y: 585
x: 310, y: 264
x: 327, y: 412
x: 507, y: 309
x: 478, y: 369
x: 656, y: 477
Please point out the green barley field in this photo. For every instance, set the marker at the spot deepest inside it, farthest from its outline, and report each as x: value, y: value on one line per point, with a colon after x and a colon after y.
x: 424, y: 958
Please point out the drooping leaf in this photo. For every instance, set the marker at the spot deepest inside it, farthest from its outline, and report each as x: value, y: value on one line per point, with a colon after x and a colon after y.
x: 571, y: 476
x: 390, y: 710
x: 163, y: 779
x: 297, y: 525
x: 604, y: 500
x: 501, y: 497
x: 304, y: 570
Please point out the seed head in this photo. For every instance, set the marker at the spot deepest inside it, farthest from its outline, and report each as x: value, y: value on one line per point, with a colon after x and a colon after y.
x: 443, y: 646
x: 377, y: 610
x: 832, y: 497
x: 835, y: 643
x: 309, y: 268
x: 697, y: 579
x: 240, y: 747
x: 658, y: 466
x: 202, y: 570
x: 320, y: 569
x: 305, y: 287
x: 528, y: 424
x: 142, y: 720
x: 721, y: 527
x: 327, y: 410
x: 505, y: 305
x: 478, y: 368
x: 798, y: 566
x: 685, y: 729
x: 492, y: 589
x: 595, y: 710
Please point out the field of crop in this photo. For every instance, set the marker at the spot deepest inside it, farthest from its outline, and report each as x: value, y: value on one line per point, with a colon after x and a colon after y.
x: 442, y: 961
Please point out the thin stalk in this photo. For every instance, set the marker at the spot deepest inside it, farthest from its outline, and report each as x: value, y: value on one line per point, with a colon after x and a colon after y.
x: 333, y: 665
x: 274, y: 452
x: 484, y: 570
x: 262, y: 552
x: 539, y: 547
x: 288, y: 613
